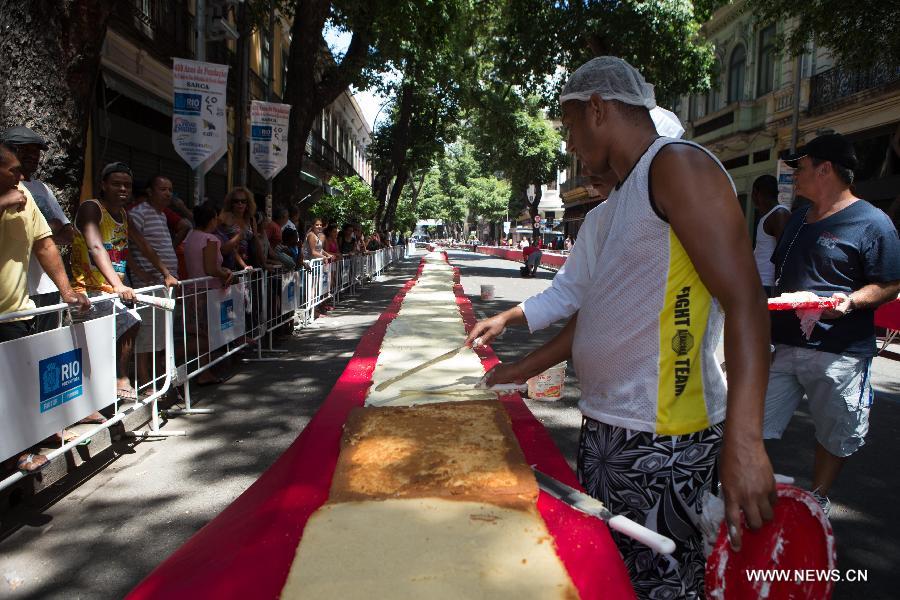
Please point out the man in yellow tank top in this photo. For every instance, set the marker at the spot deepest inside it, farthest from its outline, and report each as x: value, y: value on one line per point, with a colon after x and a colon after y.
x: 99, y: 261
x: 662, y: 426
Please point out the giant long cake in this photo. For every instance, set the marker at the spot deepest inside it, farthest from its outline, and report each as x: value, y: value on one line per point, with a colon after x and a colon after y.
x: 430, y: 499
x: 459, y: 450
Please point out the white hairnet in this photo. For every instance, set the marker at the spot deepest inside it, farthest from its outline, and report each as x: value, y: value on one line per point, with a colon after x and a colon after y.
x: 612, y: 78
x: 666, y: 122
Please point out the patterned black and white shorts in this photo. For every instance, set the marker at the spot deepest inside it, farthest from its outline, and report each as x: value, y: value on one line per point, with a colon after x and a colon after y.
x: 658, y: 481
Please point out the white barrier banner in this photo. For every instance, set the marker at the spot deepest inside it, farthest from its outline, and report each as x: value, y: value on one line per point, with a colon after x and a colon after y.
x: 57, y: 381
x: 199, y: 128
x: 225, y: 315
x: 290, y: 292
x: 268, y: 137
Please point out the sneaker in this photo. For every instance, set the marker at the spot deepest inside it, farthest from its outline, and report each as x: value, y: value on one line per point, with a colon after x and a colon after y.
x: 823, y: 501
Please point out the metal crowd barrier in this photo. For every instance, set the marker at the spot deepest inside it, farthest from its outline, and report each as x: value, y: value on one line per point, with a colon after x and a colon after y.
x: 70, y: 386
x: 209, y: 324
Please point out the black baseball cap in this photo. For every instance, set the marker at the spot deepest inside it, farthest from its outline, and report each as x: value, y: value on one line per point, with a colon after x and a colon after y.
x: 22, y: 136
x: 832, y: 147
x: 115, y: 167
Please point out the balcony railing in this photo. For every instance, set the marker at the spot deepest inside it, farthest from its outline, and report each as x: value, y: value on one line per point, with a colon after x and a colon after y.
x: 330, y: 159
x: 838, y: 83
x: 166, y: 26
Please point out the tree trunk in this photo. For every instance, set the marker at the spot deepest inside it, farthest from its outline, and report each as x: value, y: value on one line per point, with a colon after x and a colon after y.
x: 51, y: 61
x: 391, y: 212
x: 242, y: 106
x: 380, y: 187
x: 313, y: 83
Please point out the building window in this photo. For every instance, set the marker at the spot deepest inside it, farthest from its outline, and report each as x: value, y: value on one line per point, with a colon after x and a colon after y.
x: 736, y: 68
x: 698, y: 108
x: 766, y: 74
x: 264, y: 59
x: 714, y: 97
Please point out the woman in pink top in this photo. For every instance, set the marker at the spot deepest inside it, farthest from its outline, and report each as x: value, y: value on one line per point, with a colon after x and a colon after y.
x: 203, y: 258
x: 202, y: 248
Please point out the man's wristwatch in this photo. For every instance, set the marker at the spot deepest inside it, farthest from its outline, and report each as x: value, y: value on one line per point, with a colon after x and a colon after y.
x: 851, y: 305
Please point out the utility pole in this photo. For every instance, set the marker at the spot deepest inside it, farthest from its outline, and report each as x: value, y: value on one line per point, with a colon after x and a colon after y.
x: 200, y: 16
x: 243, y: 93
x: 795, y: 116
x: 270, y: 82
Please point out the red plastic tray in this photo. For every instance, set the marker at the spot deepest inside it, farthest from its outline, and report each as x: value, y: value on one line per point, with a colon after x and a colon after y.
x: 822, y: 303
x: 799, y: 537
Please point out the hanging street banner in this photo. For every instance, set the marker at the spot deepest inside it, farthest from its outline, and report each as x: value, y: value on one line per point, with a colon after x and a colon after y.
x: 268, y: 137
x: 199, y: 129
x: 785, y: 177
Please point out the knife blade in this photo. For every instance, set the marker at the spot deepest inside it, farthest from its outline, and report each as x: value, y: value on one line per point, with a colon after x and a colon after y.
x: 420, y: 367
x: 591, y: 506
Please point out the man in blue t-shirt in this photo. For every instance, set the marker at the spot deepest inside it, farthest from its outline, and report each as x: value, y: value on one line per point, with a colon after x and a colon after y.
x: 839, y: 247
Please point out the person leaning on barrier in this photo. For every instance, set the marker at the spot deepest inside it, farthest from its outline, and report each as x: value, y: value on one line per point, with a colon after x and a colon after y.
x: 29, y: 145
x: 24, y: 234
x: 99, y: 266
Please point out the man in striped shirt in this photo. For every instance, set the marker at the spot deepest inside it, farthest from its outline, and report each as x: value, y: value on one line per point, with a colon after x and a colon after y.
x: 149, y: 219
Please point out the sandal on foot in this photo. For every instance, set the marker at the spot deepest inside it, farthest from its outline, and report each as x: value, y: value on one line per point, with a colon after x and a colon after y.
x: 29, y: 463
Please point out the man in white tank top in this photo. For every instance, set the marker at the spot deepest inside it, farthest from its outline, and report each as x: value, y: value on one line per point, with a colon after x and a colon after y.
x: 652, y: 271
x: 768, y: 231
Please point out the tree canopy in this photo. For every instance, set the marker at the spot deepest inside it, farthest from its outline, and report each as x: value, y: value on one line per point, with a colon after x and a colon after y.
x: 859, y: 34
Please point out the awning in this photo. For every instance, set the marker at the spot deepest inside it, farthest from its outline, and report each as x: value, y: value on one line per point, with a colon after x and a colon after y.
x: 310, y: 179
x: 122, y: 86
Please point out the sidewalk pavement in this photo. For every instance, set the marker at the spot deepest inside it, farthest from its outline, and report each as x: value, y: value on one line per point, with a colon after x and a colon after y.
x: 98, y: 535
x: 867, y: 534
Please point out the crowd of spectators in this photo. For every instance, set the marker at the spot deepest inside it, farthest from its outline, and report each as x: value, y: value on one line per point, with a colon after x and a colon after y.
x: 135, y: 235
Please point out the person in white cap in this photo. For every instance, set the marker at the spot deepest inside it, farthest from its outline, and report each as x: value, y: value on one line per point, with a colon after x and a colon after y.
x: 656, y: 270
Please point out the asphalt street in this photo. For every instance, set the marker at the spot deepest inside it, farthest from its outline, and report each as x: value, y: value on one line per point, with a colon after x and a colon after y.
x: 99, y: 537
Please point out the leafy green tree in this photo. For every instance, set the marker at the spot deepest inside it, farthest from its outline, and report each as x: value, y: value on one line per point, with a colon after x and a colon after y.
x: 860, y: 34
x: 381, y: 33
x: 353, y: 201
x: 512, y: 136
x: 659, y: 37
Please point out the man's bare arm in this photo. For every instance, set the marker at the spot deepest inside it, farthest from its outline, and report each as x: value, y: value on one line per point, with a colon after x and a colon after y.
x: 536, y: 362
x: 48, y: 255
x: 870, y: 296
x: 776, y: 223
x: 87, y: 219
x: 699, y: 203
x: 489, y: 329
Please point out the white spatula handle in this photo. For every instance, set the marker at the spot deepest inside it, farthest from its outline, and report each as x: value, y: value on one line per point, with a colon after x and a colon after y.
x: 649, y: 538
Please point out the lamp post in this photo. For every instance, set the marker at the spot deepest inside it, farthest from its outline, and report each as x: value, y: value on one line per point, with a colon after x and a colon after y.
x: 530, y: 192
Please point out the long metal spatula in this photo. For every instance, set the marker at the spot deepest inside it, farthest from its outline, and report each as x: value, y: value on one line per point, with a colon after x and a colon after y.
x: 591, y: 506
x: 386, y: 384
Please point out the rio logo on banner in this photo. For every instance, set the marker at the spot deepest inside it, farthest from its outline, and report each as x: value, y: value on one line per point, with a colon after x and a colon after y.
x: 60, y: 379
x: 269, y: 123
x: 226, y: 315
x: 199, y: 119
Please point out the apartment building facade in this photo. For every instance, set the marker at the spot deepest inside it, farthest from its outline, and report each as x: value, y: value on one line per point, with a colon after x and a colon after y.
x: 131, y: 117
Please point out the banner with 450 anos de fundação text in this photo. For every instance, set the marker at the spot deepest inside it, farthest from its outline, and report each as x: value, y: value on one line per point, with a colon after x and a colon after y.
x: 199, y: 127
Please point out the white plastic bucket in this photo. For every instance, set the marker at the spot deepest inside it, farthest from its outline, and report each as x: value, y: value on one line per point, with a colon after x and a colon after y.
x: 487, y: 292
x: 549, y: 384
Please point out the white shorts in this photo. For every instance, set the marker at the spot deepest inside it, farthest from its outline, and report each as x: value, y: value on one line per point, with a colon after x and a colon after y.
x: 839, y: 391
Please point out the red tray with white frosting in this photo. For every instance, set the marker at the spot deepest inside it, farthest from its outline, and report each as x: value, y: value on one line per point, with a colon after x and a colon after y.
x: 795, y: 300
